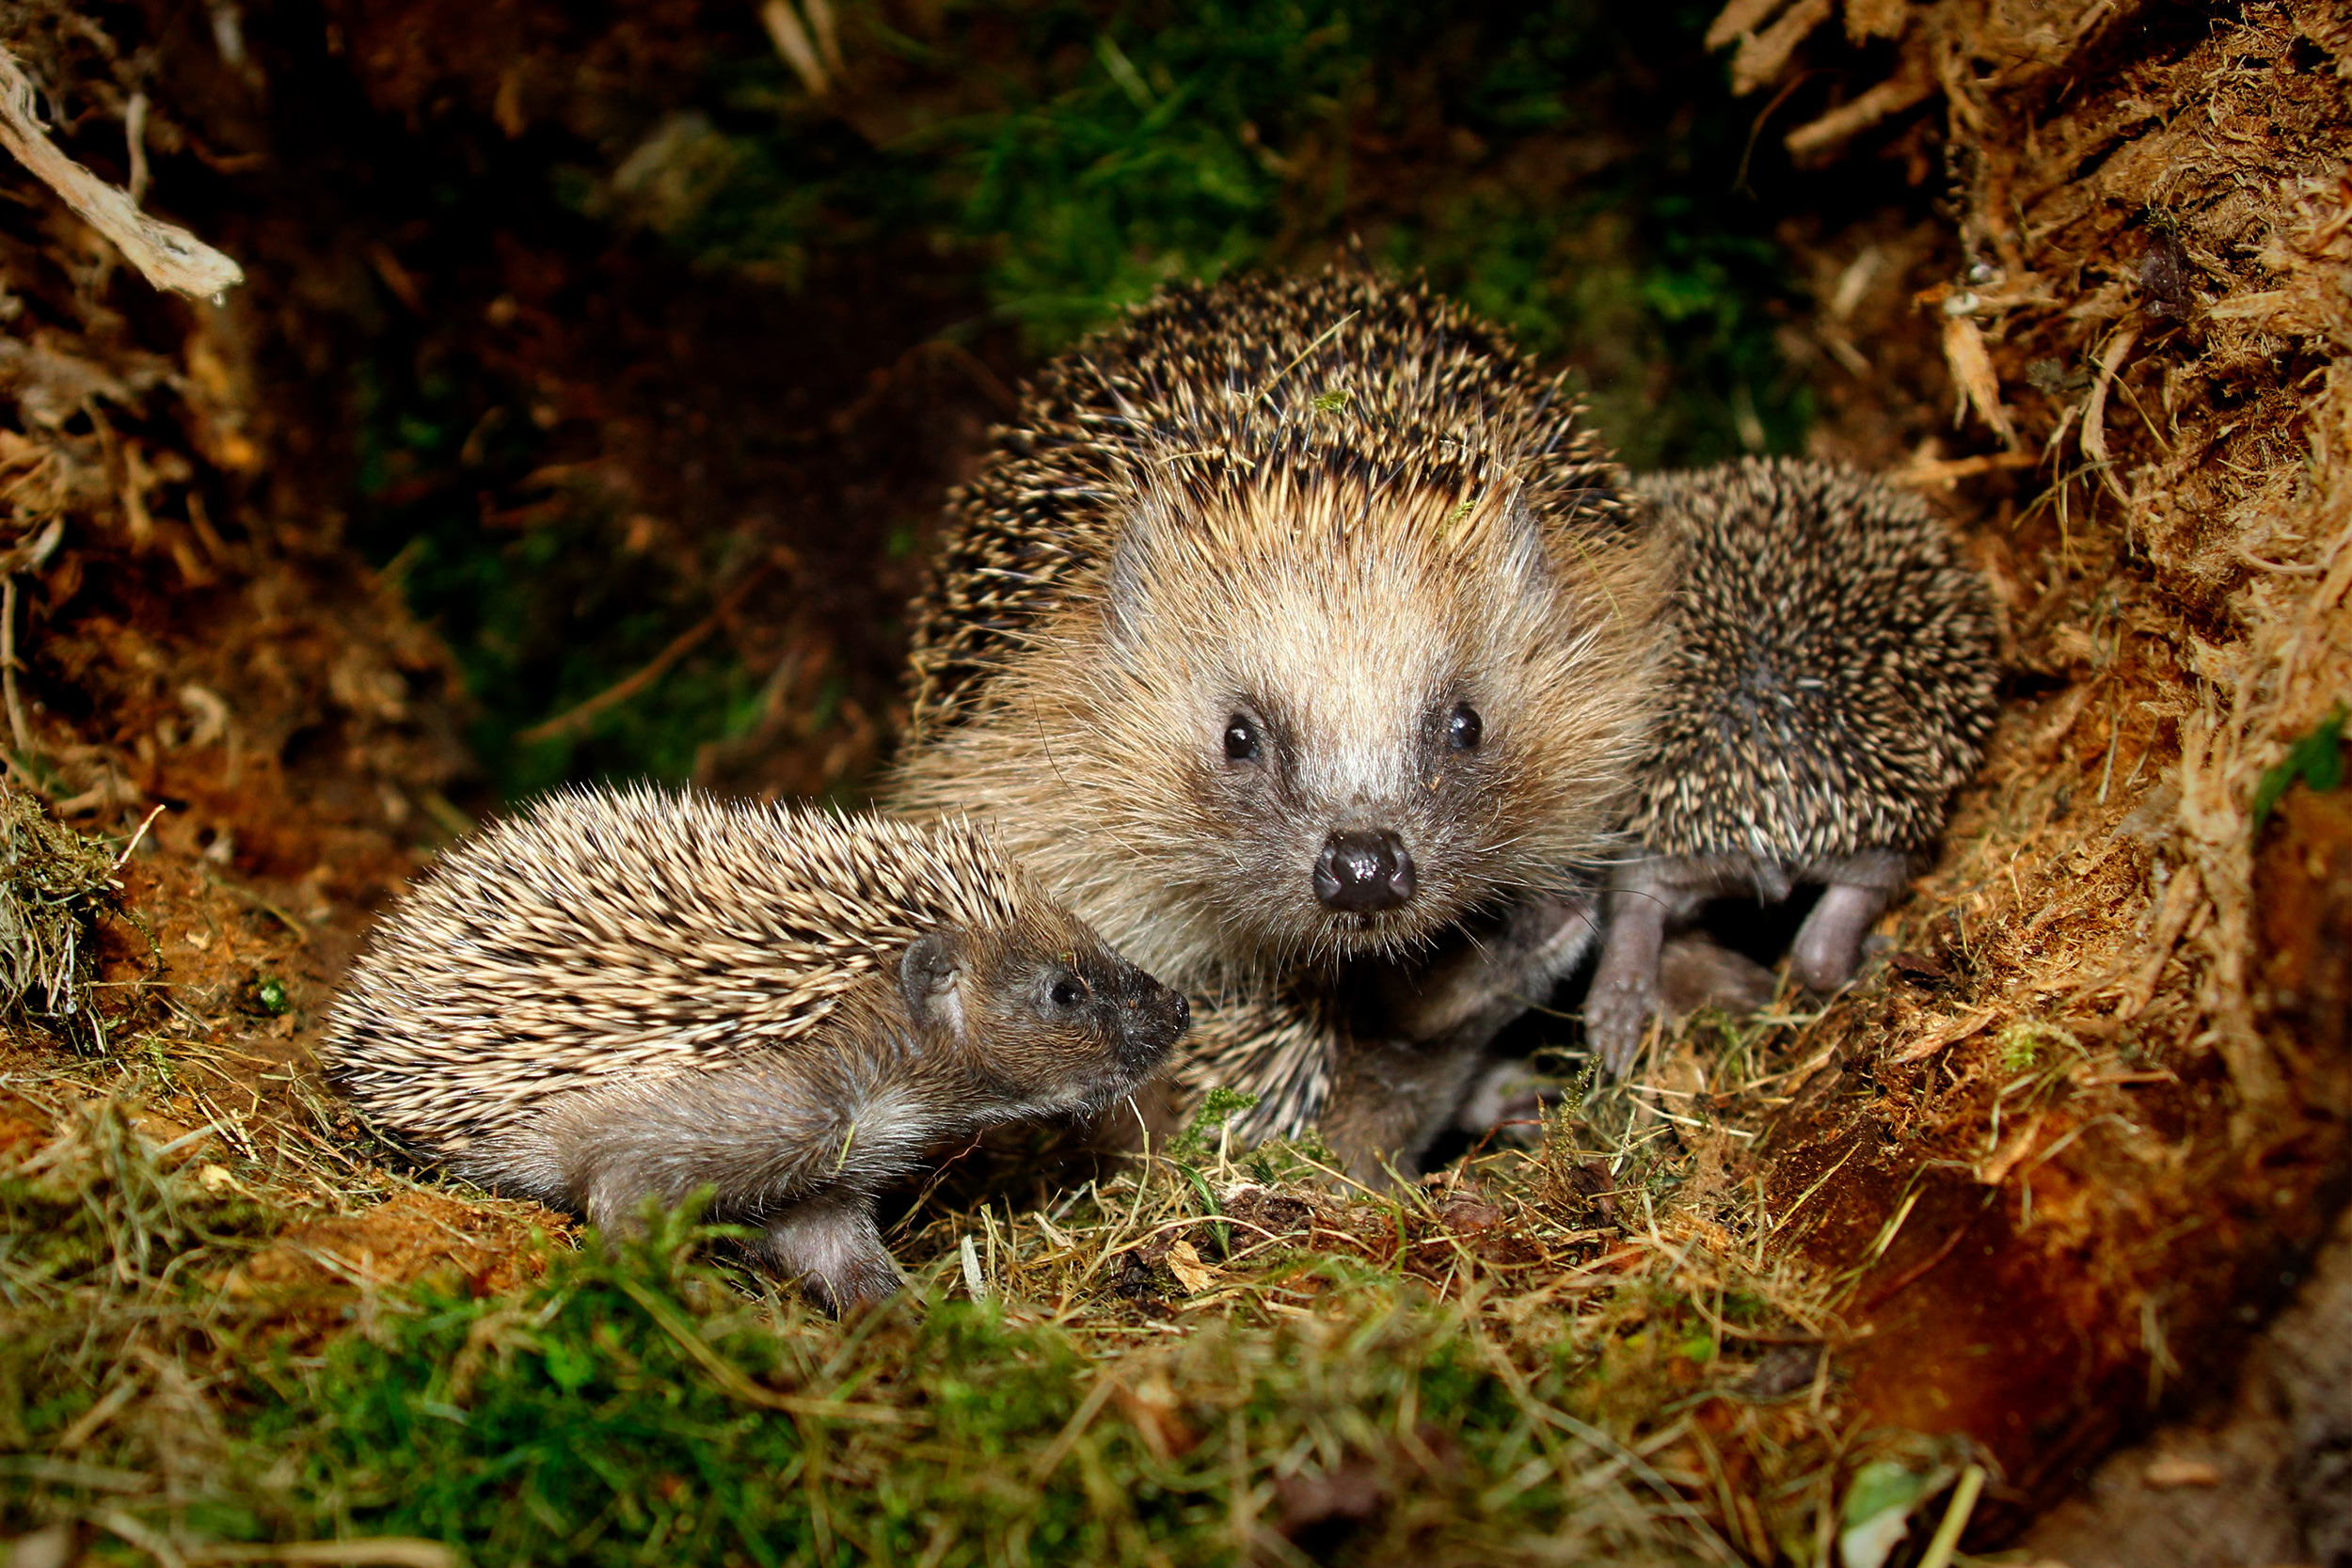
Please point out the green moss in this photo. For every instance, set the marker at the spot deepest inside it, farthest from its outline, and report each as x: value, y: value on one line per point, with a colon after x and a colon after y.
x: 1532, y: 161
x: 640, y: 1408
x: 646, y: 1405
x: 2316, y: 761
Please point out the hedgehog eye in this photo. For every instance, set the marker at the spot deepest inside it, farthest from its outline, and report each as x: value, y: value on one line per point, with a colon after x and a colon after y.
x: 1463, y: 730
x: 1066, y: 993
x: 1241, y: 739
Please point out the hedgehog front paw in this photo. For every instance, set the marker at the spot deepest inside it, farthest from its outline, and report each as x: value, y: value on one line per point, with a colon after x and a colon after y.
x: 1494, y: 973
x: 1617, y: 1013
x: 861, y: 1285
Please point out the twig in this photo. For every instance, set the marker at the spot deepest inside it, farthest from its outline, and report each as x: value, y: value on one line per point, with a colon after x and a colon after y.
x: 792, y: 42
x: 1888, y: 99
x: 169, y: 256
x: 1945, y: 471
x: 1955, y: 1518
x: 1815, y: 1187
x: 683, y: 643
x: 124, y: 858
x: 259, y: 902
x: 1756, y: 129
x: 135, y: 135
x: 17, y: 727
x: 1911, y: 1275
x: 27, y: 556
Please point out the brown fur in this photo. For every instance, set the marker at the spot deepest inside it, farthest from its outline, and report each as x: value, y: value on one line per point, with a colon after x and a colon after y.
x: 1341, y: 509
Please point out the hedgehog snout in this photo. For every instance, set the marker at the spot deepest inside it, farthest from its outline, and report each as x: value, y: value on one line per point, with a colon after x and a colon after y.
x: 1154, y: 1020
x: 1363, y: 873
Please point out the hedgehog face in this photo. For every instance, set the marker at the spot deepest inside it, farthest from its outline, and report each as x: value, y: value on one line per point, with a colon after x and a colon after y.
x: 1334, y: 721
x: 1043, y: 1016
x: 1308, y: 711
x: 1342, y: 768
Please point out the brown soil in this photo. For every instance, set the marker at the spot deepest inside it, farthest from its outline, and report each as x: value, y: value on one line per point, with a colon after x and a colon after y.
x: 2259, y: 1476
x: 410, y: 1236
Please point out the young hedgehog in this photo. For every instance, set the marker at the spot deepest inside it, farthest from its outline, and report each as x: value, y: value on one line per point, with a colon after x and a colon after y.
x: 1830, y: 684
x: 1293, y: 625
x: 633, y: 994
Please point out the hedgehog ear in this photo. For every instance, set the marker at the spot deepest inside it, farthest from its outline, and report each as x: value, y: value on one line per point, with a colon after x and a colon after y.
x: 1153, y: 537
x: 931, y: 977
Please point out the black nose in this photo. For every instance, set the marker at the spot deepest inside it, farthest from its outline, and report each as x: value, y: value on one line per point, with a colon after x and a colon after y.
x: 1157, y: 1019
x: 1361, y: 873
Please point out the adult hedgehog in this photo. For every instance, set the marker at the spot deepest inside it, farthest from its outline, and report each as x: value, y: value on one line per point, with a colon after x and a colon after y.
x: 1293, y: 624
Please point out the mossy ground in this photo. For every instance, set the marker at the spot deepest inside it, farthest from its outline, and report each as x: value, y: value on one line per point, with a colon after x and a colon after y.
x: 250, y: 1332
x: 571, y: 360
x: 232, y: 1326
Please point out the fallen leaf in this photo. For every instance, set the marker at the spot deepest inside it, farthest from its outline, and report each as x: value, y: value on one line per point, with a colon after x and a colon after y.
x: 1919, y: 969
x: 1184, y: 1262
x: 1784, y: 1371
x: 1465, y: 1211
x: 1324, y: 1510
x: 1972, y: 370
x: 1152, y: 1409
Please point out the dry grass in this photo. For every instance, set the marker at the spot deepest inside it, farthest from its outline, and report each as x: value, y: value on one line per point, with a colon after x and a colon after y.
x: 54, y: 884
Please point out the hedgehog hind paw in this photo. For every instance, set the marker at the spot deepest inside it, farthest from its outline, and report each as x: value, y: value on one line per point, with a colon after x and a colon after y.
x: 833, y: 1248
x: 1828, y: 948
x: 839, y: 1295
x: 1694, y: 972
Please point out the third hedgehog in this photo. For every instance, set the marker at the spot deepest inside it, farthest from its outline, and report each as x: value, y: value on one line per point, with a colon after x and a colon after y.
x: 1830, y: 683
x: 628, y: 995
